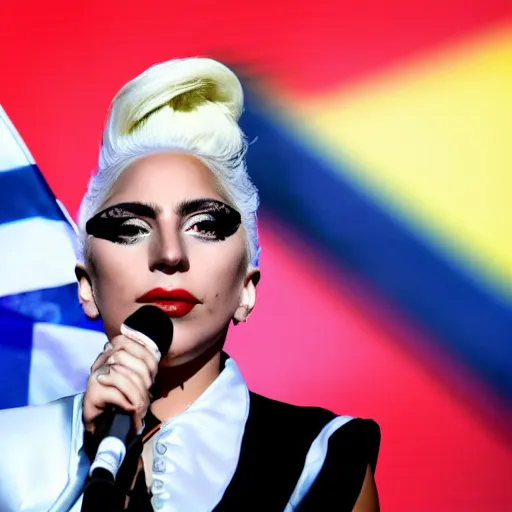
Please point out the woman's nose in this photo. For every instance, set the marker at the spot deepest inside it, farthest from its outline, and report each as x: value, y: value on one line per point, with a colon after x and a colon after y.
x: 168, y: 254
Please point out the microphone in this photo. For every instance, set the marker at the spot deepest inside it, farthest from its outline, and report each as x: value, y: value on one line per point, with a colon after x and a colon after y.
x: 153, y: 328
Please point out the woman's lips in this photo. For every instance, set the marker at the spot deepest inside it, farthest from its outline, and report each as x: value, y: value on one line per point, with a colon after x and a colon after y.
x: 175, y: 303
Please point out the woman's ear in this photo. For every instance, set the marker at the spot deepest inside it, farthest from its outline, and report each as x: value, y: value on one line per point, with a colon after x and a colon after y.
x: 248, y: 296
x: 85, y: 293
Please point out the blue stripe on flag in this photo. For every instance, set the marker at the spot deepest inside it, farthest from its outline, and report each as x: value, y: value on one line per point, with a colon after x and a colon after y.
x: 15, y: 357
x: 303, y: 190
x: 24, y: 194
x: 43, y: 331
x: 57, y: 305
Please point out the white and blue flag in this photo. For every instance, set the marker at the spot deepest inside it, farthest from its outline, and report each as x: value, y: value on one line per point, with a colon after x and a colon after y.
x: 47, y: 345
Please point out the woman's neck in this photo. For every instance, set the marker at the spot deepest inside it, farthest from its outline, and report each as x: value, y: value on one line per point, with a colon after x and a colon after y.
x: 178, y: 387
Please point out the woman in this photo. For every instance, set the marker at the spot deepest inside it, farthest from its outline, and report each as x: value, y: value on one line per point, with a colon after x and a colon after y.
x: 169, y: 219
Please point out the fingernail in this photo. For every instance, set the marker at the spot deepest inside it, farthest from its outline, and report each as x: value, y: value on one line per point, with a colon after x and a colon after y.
x: 101, y: 377
x: 111, y: 360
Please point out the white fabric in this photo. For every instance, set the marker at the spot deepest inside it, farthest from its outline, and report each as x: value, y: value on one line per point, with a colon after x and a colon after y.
x: 110, y: 455
x: 61, y: 359
x: 41, y: 461
x: 38, y: 253
x: 314, y: 462
x: 13, y: 151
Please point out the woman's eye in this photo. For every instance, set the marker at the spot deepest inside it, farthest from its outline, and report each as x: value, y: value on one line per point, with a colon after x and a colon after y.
x: 204, y: 227
x: 213, y: 226
x: 132, y: 230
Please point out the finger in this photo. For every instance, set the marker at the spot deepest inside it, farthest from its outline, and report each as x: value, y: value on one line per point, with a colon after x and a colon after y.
x: 137, y: 350
x: 102, y: 358
x: 138, y: 412
x: 143, y: 340
x: 109, y: 396
x: 136, y: 396
x: 137, y: 367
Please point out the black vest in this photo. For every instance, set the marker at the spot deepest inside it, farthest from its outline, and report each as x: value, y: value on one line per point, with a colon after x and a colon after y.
x: 276, y: 440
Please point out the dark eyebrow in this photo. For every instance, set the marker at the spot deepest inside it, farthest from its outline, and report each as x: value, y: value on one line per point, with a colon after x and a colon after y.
x: 183, y: 208
x: 190, y: 206
x: 149, y: 210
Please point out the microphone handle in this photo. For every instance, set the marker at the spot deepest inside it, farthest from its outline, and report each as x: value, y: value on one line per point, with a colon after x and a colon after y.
x: 99, y: 489
x: 112, y: 448
x: 121, y: 425
x: 99, y: 493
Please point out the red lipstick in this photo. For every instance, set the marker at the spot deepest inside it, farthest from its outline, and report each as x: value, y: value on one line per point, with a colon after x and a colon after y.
x: 175, y: 303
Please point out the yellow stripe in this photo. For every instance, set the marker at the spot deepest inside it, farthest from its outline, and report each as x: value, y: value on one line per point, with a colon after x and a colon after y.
x: 435, y: 140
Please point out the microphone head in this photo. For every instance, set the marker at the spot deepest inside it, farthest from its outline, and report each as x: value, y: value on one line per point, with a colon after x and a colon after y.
x: 153, y: 323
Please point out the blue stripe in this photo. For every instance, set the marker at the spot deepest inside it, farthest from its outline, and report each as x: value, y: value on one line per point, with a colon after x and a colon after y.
x: 331, y: 212
x: 57, y: 305
x: 15, y: 355
x: 24, y: 194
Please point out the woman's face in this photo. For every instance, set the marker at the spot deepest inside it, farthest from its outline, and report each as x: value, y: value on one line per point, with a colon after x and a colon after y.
x: 166, y: 236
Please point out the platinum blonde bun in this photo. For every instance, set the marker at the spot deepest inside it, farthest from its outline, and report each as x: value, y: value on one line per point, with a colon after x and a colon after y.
x: 184, y: 105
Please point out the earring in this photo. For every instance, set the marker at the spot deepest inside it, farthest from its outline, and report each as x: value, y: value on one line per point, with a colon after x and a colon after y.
x: 246, y: 307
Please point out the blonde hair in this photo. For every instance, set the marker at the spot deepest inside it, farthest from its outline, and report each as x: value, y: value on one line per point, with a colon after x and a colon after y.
x: 189, y: 105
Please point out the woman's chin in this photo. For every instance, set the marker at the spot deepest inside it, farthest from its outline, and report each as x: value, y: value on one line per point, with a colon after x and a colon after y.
x: 180, y: 358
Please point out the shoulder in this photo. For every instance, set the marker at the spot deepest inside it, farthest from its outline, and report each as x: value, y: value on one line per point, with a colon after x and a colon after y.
x: 30, y: 422
x: 284, y: 445
x: 275, y: 418
x: 311, y: 422
x: 346, y: 456
x: 324, y: 454
x: 283, y: 418
x: 360, y: 437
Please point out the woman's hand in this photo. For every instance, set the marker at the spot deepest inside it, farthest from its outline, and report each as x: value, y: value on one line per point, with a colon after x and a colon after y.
x: 121, y: 375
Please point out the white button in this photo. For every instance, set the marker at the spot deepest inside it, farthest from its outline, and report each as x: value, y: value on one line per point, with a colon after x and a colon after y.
x: 158, y: 466
x: 157, y: 503
x: 161, y: 448
x: 157, y: 484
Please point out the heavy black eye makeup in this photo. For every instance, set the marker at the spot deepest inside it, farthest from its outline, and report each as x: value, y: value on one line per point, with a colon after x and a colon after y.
x: 124, y: 223
x: 209, y: 219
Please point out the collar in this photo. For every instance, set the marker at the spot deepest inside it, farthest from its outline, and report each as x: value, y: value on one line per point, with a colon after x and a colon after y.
x: 195, y: 454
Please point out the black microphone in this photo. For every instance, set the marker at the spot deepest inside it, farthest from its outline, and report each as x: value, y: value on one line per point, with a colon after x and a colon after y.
x: 153, y: 327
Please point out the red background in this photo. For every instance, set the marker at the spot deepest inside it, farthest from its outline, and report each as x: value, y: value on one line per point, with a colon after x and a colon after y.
x: 61, y: 63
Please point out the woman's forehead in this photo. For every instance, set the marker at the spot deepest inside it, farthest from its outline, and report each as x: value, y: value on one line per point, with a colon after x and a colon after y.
x: 165, y: 180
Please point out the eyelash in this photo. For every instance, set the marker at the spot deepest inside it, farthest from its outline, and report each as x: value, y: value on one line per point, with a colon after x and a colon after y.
x: 196, y: 221
x: 142, y: 230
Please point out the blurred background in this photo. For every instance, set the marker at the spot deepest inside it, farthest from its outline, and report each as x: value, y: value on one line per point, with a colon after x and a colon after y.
x: 380, y: 145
